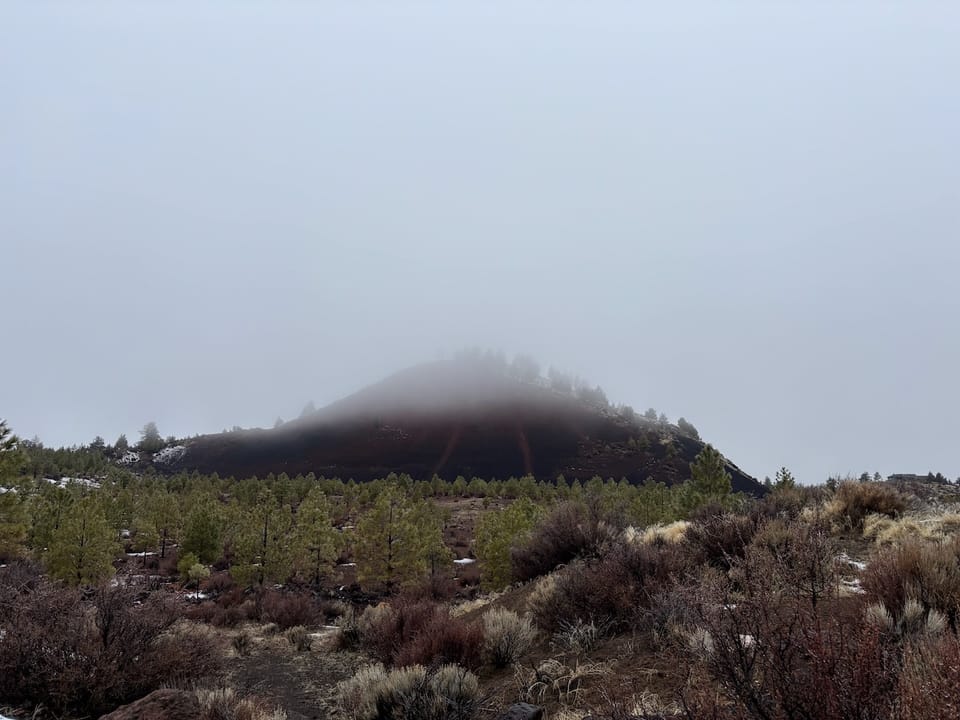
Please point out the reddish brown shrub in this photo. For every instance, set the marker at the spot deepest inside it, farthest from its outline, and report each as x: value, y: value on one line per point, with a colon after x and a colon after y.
x: 929, y: 685
x: 853, y: 501
x: 444, y: 640
x: 289, y: 610
x: 570, y: 530
x: 411, y: 632
x: 88, y: 657
x: 387, y: 628
x: 610, y: 591
x: 218, y: 584
x: 929, y: 573
x: 717, y: 539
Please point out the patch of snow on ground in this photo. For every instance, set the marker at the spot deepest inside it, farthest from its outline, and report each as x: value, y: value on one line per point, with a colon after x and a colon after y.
x: 464, y: 561
x: 66, y: 481
x: 141, y: 554
x: 197, y: 596
x: 129, y: 458
x: 351, y: 564
x: 170, y: 454
x: 4, y: 717
x: 6, y: 490
x: 844, y: 558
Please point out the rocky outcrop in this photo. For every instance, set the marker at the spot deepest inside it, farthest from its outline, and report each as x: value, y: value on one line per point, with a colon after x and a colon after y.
x: 159, y: 705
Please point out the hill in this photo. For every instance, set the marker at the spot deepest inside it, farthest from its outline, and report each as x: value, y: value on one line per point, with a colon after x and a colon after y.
x: 469, y: 418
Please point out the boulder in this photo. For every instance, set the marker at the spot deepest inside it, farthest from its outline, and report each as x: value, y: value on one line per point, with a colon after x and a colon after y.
x: 522, y: 711
x: 159, y: 705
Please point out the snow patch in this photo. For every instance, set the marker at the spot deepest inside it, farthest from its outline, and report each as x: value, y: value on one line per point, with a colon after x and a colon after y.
x: 350, y: 564
x: 464, y: 561
x: 196, y: 596
x: 170, y: 454
x: 6, y: 490
x: 66, y: 481
x: 141, y: 554
x: 844, y: 558
x: 129, y: 458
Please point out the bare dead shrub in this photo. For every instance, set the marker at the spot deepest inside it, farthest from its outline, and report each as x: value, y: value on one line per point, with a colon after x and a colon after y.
x: 89, y: 656
x: 717, y: 539
x: 929, y: 685
x: 778, y: 651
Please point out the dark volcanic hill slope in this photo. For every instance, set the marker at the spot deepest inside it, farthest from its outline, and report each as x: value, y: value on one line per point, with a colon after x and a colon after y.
x: 453, y: 419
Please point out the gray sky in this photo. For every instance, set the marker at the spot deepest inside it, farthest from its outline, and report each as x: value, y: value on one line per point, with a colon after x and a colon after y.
x: 743, y: 213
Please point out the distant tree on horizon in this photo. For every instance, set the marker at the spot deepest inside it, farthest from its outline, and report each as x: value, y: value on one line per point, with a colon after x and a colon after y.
x: 121, y: 445
x: 150, y: 438
x: 687, y: 428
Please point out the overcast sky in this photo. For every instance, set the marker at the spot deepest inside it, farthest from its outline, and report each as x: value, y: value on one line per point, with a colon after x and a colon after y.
x: 746, y: 214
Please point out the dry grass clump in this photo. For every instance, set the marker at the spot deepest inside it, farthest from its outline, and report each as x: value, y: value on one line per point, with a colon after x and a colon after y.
x: 581, y: 636
x: 671, y: 533
x: 554, y: 680
x: 225, y: 704
x: 242, y: 643
x: 926, y: 572
x: 852, y: 502
x: 884, y: 530
x: 299, y: 638
x: 506, y: 636
x: 409, y: 693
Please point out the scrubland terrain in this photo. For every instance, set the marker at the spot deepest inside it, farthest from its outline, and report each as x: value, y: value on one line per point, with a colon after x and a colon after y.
x: 606, y: 600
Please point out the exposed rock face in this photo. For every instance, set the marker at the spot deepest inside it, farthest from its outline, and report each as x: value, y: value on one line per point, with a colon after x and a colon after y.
x: 159, y: 705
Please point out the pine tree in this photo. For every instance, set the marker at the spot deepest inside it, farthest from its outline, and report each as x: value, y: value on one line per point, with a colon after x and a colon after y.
x: 708, y: 475
x: 496, y: 534
x: 784, y: 480
x: 82, y: 548
x: 13, y: 514
x: 201, y: 534
x: 150, y: 438
x: 262, y: 546
x: 162, y: 512
x: 316, y: 542
x: 121, y: 445
x: 398, y: 541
